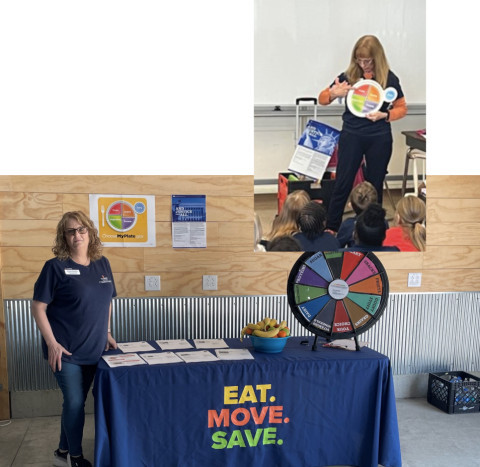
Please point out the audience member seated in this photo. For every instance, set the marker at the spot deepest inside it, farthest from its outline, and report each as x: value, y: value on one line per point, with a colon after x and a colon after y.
x: 370, y: 230
x: 284, y: 243
x: 312, y: 235
x: 361, y: 196
x: 409, y: 233
x: 286, y: 222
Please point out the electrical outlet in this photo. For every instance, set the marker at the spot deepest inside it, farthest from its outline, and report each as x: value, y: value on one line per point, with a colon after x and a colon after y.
x: 152, y: 283
x: 210, y: 282
x: 414, y: 279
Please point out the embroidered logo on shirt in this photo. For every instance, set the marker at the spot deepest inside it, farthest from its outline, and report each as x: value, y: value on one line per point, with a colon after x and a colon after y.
x: 104, y: 280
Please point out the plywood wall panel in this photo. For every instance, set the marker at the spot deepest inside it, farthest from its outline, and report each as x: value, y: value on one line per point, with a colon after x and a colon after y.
x: 402, y: 260
x: 450, y: 234
x: 453, y: 210
x: 75, y: 202
x: 126, y: 259
x: 27, y: 232
x: 26, y: 236
x: 19, y: 284
x: 236, y: 234
x: 459, y: 257
x: 25, y: 259
x: 453, y: 187
x: 220, y: 185
x: 177, y: 284
x: 21, y: 205
x: 219, y: 259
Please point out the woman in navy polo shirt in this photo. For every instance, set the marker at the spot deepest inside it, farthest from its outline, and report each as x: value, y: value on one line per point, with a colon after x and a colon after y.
x: 369, y: 136
x: 72, y: 306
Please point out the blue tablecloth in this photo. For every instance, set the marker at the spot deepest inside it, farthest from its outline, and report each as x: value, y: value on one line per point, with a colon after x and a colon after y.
x: 296, y: 408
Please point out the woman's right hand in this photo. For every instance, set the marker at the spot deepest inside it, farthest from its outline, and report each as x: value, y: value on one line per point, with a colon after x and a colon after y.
x: 339, y: 89
x: 55, y: 352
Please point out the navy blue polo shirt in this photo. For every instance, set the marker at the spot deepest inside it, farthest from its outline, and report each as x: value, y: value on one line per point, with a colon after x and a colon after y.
x: 78, y: 300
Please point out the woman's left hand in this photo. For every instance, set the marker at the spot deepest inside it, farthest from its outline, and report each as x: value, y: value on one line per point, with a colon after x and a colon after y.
x: 111, y: 342
x: 375, y: 116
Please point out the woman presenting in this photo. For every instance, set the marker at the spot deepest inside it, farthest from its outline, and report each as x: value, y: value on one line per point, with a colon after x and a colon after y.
x: 72, y: 302
x: 368, y: 137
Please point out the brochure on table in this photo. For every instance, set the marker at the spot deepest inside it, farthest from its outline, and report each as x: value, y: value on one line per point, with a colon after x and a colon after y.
x: 234, y: 354
x: 125, y: 359
x: 314, y: 149
x: 210, y: 343
x: 135, y: 347
x: 189, y: 221
x: 161, y: 358
x: 174, y: 344
x: 193, y: 356
x: 187, y: 353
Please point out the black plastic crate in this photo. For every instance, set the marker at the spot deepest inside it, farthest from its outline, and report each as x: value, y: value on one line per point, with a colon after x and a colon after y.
x: 454, y: 392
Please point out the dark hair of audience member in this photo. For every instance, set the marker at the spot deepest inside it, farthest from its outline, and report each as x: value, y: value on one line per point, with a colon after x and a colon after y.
x: 312, y: 219
x: 370, y: 228
x: 284, y: 243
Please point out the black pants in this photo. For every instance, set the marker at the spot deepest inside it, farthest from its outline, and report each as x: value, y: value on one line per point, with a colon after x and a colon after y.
x: 351, y: 150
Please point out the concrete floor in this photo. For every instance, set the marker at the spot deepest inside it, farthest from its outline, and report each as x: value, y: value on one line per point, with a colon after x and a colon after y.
x: 428, y: 437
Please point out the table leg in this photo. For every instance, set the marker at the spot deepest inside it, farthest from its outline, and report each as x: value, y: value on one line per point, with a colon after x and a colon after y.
x: 405, y: 172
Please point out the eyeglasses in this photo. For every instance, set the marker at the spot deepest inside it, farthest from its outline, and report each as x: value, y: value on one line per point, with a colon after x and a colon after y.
x: 81, y: 230
x: 364, y: 61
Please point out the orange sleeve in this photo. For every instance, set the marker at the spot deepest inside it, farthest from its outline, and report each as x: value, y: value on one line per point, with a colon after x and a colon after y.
x: 398, y: 110
x: 324, y: 97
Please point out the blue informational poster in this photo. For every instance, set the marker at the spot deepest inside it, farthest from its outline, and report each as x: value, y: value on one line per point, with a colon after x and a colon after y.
x: 189, y: 217
x: 189, y: 208
x: 314, y: 149
x: 319, y: 137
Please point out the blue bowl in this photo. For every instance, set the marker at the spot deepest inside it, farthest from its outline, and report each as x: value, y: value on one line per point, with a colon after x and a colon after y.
x: 269, y: 344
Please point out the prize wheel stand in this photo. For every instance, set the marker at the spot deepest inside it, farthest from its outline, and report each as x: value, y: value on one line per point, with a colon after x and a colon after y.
x: 339, y: 294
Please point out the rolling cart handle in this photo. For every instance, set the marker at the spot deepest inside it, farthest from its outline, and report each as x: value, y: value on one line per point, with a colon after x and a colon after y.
x: 297, y: 115
x: 306, y: 99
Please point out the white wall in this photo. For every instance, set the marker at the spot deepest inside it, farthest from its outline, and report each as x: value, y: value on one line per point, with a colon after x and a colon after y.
x: 301, y: 45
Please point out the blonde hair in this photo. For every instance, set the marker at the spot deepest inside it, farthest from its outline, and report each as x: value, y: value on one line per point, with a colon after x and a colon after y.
x: 363, y: 195
x: 60, y: 248
x: 286, y: 223
x: 368, y: 47
x: 410, y: 216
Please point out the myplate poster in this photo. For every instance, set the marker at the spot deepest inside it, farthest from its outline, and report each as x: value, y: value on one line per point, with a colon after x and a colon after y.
x: 124, y: 221
x: 189, y: 221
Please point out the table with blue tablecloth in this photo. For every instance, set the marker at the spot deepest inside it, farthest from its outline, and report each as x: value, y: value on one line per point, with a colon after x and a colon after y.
x: 300, y: 407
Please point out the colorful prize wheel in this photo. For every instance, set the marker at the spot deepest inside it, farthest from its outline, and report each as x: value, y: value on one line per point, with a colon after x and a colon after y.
x: 368, y: 96
x: 337, y: 295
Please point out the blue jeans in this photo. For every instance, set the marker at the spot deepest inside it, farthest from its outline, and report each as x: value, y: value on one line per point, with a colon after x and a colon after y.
x: 74, y: 381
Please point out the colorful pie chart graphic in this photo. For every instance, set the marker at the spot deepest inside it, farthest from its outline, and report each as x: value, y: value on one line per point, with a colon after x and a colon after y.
x: 368, y: 96
x: 121, y: 216
x: 337, y: 295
